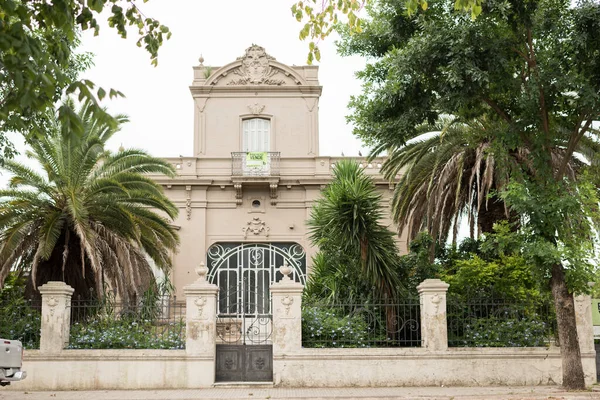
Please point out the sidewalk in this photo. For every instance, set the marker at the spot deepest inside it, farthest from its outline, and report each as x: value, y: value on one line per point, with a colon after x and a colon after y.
x: 421, y: 393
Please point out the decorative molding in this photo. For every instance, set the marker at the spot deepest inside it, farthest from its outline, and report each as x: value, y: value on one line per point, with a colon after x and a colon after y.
x: 287, y: 302
x: 273, y: 193
x: 259, y: 363
x: 238, y: 193
x: 188, y: 202
x: 52, y: 303
x: 436, y: 300
x: 256, y: 108
x: 256, y: 69
x: 201, y: 103
x: 311, y: 102
x: 256, y: 227
x: 200, y: 302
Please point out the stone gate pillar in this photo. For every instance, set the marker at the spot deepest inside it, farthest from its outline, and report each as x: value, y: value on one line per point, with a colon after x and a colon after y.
x: 56, y: 316
x: 287, y: 313
x: 201, y: 315
x: 434, y: 326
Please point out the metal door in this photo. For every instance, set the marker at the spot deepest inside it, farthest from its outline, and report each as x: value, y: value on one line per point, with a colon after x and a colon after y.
x: 244, y: 272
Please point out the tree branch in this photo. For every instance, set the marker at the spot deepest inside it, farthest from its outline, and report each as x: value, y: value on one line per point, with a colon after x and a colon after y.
x: 572, y: 145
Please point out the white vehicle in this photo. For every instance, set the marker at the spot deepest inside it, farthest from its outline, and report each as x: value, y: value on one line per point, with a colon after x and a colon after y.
x: 11, y: 358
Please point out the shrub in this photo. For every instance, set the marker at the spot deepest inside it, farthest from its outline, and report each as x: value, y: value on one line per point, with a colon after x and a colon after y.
x: 126, y: 333
x: 327, y: 327
x: 496, y: 332
x: 20, y: 319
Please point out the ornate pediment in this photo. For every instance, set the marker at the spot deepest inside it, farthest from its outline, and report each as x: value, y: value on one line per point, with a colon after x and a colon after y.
x: 255, y: 68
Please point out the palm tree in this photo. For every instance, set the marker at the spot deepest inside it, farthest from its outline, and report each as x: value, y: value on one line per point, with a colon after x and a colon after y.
x: 92, y: 218
x: 346, y: 221
x: 456, y: 171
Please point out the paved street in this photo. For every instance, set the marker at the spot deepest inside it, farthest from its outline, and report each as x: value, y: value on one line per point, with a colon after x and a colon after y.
x: 428, y: 393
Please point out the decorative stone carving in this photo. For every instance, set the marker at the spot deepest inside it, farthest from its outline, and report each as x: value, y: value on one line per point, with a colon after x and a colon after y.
x: 259, y: 363
x: 201, y: 271
x: 256, y: 69
x: 256, y: 108
x: 52, y: 303
x: 285, y: 270
x: 238, y: 193
x: 287, y: 302
x: 436, y: 300
x: 256, y: 227
x: 188, y: 202
x: 273, y: 193
x: 200, y: 302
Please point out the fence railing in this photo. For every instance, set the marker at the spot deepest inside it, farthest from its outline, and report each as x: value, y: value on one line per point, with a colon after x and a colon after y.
x: 381, y: 324
x: 20, y: 319
x: 255, y: 163
x: 492, y: 321
x: 155, y: 324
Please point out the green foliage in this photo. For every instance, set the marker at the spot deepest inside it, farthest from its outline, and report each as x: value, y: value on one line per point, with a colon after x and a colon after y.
x: 19, y: 318
x: 532, y: 68
x: 137, y: 329
x: 324, y: 16
x: 92, y: 216
x: 337, y: 279
x: 37, y: 63
x: 500, y: 332
x: 328, y: 327
x: 417, y: 262
x: 345, y: 225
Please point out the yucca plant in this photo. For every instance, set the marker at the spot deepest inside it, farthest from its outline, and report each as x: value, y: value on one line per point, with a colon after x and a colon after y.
x: 346, y: 221
x: 91, y: 218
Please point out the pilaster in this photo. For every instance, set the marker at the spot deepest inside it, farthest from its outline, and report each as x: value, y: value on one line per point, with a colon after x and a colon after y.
x: 434, y: 327
x: 56, y: 316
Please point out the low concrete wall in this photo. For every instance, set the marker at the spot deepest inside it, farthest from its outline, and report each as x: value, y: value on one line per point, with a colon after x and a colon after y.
x: 173, y: 369
x: 420, y: 367
x: 115, y: 369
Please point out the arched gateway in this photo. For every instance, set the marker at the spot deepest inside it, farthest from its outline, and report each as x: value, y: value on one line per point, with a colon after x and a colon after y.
x: 244, y: 272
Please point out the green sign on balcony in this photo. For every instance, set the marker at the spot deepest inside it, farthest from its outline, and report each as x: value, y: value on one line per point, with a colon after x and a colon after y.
x: 256, y: 159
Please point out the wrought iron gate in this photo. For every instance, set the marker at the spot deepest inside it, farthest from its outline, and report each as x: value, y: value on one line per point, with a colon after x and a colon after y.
x: 243, y: 272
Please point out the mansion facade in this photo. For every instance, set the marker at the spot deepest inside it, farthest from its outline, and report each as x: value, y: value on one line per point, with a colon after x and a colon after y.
x: 246, y: 193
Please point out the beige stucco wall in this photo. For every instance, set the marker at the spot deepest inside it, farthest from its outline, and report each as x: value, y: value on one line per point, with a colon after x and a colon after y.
x: 115, y: 369
x: 215, y: 205
x: 172, y: 369
x: 419, y: 367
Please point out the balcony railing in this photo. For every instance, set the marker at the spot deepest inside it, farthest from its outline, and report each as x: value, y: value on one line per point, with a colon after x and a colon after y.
x: 255, y: 163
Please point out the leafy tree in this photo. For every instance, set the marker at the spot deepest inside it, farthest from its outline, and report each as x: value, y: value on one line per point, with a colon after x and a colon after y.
x: 533, y: 68
x: 346, y: 220
x: 37, y: 42
x: 324, y: 17
x: 87, y: 219
x: 449, y: 170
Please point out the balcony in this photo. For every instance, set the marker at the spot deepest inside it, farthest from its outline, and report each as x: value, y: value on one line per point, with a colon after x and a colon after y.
x: 259, y: 164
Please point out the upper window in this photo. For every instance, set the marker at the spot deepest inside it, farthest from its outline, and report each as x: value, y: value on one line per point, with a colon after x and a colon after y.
x: 257, y: 134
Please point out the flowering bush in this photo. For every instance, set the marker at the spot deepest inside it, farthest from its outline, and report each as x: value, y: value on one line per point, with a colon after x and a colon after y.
x: 496, y: 332
x: 127, y: 334
x: 326, y: 327
x: 20, y: 319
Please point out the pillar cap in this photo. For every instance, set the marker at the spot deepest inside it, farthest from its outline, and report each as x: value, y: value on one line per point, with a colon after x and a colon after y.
x: 56, y: 288
x: 433, y: 285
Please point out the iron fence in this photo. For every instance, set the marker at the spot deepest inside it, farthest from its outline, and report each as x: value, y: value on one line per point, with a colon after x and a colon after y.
x: 255, y: 163
x: 20, y: 319
x: 378, y: 324
x: 489, y: 320
x: 158, y: 323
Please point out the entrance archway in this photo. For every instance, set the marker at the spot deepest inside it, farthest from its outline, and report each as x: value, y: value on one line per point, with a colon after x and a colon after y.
x: 244, y: 272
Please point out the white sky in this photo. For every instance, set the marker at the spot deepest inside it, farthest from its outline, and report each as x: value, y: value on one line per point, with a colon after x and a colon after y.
x: 158, y: 100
